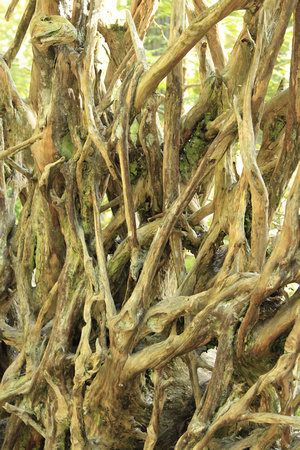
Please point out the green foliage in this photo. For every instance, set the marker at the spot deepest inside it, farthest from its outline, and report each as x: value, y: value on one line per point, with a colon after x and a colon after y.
x: 189, y: 261
x: 156, y: 41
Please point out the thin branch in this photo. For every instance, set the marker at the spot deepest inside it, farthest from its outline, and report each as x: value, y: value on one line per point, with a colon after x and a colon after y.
x: 271, y: 49
x: 25, y: 417
x: 151, y: 147
x: 160, y: 395
x: 259, y: 193
x: 266, y: 417
x: 10, y: 9
x: 118, y: 201
x: 137, y: 43
x: 199, y: 215
x: 22, y: 170
x: 213, y: 38
x: 139, y: 297
x: 88, y: 89
x: 198, y: 28
x: 266, y: 333
x: 197, y: 333
x: 14, y: 47
x: 17, y: 148
x: 3, y: 193
x: 101, y: 257
x: 290, y: 153
x: 280, y: 258
x: 173, y: 107
x: 62, y: 410
x: 36, y: 332
x: 235, y: 408
x: 190, y: 86
x: 134, y: 6
x: 202, y: 62
x: 161, y: 30
x: 120, y: 134
x: 106, y: 101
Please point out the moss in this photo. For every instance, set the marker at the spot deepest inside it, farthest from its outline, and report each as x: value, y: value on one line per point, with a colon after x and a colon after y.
x: 133, y: 170
x: 151, y: 323
x: 67, y: 147
x: 119, y: 29
x: 207, y: 118
x: 294, y: 135
x: 193, y: 151
x: 150, y: 140
x: 114, y: 264
x: 276, y: 127
x: 184, y: 168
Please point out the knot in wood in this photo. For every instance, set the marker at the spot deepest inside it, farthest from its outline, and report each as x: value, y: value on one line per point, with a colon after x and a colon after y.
x: 51, y: 30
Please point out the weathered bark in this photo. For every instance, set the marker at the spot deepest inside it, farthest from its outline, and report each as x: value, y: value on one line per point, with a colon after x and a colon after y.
x: 104, y: 337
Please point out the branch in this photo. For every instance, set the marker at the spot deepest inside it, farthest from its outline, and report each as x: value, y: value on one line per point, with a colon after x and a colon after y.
x: 151, y: 148
x: 198, y: 28
x: 207, y: 247
x: 14, y: 47
x: 22, y: 170
x: 202, y: 62
x: 173, y: 107
x: 120, y: 134
x: 126, y: 320
x: 290, y: 153
x: 137, y: 43
x: 213, y: 38
x: 265, y: 417
x: 199, y: 215
x: 236, y: 229
x: 232, y: 411
x: 197, y: 333
x: 159, y: 316
x: 271, y: 47
x: 17, y: 148
x: 25, y: 417
x: 266, y: 333
x: 101, y: 257
x: 134, y: 6
x: 259, y: 193
x: 106, y: 101
x: 118, y: 201
x: 140, y: 195
x: 61, y: 413
x: 160, y: 395
x: 88, y: 89
x: 280, y: 258
x: 121, y: 256
x: 11, y: 336
x: 10, y: 9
